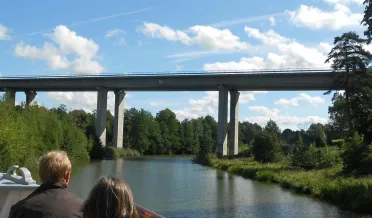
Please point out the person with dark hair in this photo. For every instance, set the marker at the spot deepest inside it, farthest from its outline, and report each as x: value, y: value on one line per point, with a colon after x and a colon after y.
x: 110, y: 198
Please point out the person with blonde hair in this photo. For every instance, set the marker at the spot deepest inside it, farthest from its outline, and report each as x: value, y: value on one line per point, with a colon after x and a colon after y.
x: 52, y: 198
x: 110, y: 198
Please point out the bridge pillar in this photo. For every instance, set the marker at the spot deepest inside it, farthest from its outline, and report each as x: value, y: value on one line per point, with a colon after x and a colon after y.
x: 30, y: 97
x: 119, y: 119
x: 101, y: 116
x: 222, y: 122
x: 10, y: 97
x: 234, y: 122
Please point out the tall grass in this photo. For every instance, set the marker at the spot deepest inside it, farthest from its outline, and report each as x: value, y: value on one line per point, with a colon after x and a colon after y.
x: 329, y: 184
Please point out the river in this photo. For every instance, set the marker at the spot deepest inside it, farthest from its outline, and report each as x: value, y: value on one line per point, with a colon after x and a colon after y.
x: 175, y: 187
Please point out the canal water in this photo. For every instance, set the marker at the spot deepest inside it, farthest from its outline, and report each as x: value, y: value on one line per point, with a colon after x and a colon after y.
x: 175, y: 187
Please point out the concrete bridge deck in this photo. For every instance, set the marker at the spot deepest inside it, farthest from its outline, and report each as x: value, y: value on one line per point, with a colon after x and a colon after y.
x: 272, y: 80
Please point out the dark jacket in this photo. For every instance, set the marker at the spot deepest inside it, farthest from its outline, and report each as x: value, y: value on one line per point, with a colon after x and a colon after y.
x: 48, y: 201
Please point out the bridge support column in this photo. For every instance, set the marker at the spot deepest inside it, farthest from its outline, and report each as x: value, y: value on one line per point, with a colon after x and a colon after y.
x: 222, y: 122
x: 234, y: 123
x: 119, y: 119
x: 101, y: 116
x: 30, y: 97
x: 10, y: 97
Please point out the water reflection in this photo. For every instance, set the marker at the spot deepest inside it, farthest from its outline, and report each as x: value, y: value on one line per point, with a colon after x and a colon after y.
x: 175, y: 187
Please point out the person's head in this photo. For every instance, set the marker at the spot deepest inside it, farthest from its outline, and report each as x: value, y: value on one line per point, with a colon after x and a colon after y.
x: 55, y: 167
x: 110, y: 197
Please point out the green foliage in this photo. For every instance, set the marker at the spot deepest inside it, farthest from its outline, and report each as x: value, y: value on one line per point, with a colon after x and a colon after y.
x: 27, y: 132
x: 316, y: 157
x: 367, y: 19
x: 111, y: 152
x: 271, y: 126
x: 338, y: 142
x: 267, y: 147
x: 317, y: 135
x: 247, y: 131
x: 328, y: 184
x: 349, y: 55
x: 357, y: 156
x: 128, y: 152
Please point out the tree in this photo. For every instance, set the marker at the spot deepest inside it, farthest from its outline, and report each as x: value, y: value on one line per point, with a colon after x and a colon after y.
x: 288, y: 135
x: 349, y: 55
x: 267, y: 147
x: 271, y: 126
x: 169, y: 118
x: 367, y: 19
x: 207, y: 143
x: 247, y: 131
x: 357, y: 157
x: 299, y: 142
x: 317, y: 135
x: 212, y: 123
x: 189, y: 137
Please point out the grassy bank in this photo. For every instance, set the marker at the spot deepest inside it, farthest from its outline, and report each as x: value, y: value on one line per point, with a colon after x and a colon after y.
x: 328, y: 184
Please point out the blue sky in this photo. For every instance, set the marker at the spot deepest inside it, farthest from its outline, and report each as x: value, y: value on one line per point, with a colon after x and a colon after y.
x: 77, y: 37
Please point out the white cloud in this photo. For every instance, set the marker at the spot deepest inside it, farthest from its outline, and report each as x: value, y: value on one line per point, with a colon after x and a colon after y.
x: 139, y: 43
x: 208, y: 104
x: 114, y: 32
x: 301, y: 97
x: 4, y: 33
x: 178, y: 67
x: 272, y: 21
x: 268, y: 38
x: 83, y: 100
x: 325, y: 47
x: 245, y: 20
x: 345, y: 2
x: 265, y: 111
x: 118, y: 34
x: 207, y: 37
x: 312, y: 17
x: 291, y: 54
x: 291, y: 122
x: 69, y: 43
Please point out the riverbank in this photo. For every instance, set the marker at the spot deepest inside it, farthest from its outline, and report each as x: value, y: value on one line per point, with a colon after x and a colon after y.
x: 328, y: 184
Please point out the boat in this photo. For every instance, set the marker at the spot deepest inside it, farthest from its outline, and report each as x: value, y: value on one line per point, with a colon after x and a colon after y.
x: 17, y: 183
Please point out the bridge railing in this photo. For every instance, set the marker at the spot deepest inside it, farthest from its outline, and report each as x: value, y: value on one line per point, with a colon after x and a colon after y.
x: 177, y: 73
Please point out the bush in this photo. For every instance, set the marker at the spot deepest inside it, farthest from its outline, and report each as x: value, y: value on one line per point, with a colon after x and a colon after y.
x: 111, y: 152
x: 316, y: 157
x: 128, y: 152
x: 267, y: 147
x: 338, y: 142
x: 357, y: 156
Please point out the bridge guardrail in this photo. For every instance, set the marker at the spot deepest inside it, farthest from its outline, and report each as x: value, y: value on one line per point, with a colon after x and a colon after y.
x: 175, y: 73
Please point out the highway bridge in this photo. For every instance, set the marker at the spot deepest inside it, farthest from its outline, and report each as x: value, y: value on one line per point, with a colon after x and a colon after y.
x: 221, y: 81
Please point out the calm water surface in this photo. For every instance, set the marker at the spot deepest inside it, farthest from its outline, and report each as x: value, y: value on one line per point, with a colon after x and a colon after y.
x: 175, y: 187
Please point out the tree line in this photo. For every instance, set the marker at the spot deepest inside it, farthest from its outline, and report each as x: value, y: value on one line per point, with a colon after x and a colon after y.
x: 29, y: 131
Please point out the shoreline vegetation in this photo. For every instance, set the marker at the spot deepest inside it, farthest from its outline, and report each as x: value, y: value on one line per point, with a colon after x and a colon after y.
x: 28, y: 132
x: 330, y: 184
